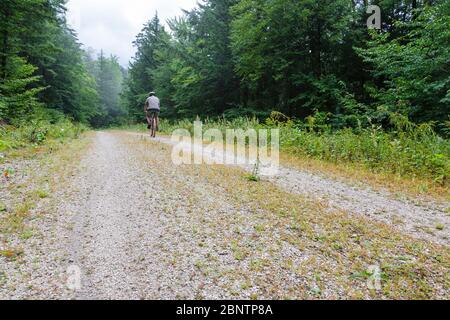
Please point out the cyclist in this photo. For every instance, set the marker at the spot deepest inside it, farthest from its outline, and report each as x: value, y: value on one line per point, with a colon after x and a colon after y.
x: 152, y: 109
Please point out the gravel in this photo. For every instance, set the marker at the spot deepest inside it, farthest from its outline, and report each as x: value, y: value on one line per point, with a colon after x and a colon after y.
x: 138, y: 227
x: 143, y: 230
x: 416, y: 217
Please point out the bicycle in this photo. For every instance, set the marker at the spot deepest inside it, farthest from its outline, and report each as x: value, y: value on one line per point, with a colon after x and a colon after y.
x: 151, y: 115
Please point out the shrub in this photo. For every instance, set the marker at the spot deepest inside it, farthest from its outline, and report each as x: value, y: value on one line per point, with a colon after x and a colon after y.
x: 37, y: 132
x: 407, y: 149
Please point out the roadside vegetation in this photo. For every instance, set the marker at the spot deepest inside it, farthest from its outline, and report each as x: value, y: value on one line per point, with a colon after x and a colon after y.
x: 405, y: 150
x: 38, y: 134
x: 31, y: 172
x: 275, y: 235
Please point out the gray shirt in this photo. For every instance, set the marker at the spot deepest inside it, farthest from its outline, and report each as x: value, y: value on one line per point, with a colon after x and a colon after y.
x: 152, y: 103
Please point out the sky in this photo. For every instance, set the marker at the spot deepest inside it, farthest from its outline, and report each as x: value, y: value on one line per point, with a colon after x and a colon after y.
x: 112, y: 25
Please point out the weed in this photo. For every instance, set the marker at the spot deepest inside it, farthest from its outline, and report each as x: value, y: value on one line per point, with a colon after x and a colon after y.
x: 11, y: 254
x: 27, y: 234
x: 42, y: 194
x: 37, y: 133
x: 409, y: 150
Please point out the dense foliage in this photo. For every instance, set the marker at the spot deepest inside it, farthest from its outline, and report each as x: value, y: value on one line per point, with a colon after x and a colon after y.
x: 408, y: 150
x: 44, y: 72
x: 300, y: 57
x: 345, y: 86
x: 38, y: 132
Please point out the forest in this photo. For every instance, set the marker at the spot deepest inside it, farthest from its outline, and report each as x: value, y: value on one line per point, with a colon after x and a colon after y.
x: 45, y: 74
x: 301, y: 58
x: 315, y: 64
x: 354, y: 204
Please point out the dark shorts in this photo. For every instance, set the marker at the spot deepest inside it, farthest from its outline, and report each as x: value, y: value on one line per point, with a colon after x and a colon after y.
x: 152, y: 112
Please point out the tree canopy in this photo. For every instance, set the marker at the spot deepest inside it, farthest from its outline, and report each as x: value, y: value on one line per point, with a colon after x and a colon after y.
x: 233, y: 58
x: 44, y: 72
x: 299, y: 57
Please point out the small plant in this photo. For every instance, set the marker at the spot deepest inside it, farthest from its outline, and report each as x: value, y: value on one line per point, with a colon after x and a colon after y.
x: 254, y: 176
x: 440, y: 226
x: 259, y: 228
x: 38, y: 135
x: 8, y: 172
x: 42, y: 194
x: 27, y: 234
x: 239, y: 252
x: 10, y: 254
x: 253, y: 296
x: 3, y: 278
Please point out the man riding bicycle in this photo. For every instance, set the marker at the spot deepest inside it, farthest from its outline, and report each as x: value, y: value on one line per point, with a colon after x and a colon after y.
x: 152, y: 109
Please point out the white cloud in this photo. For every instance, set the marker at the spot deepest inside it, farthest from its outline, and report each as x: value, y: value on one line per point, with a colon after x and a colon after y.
x: 112, y: 25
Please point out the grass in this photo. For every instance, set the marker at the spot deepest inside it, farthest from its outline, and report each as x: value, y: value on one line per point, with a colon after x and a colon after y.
x: 27, y: 234
x: 408, y: 158
x: 253, y: 177
x: 374, y: 243
x: 335, y: 250
x: 425, y: 155
x: 48, y: 164
x: 37, y: 137
x: 41, y: 194
x: 10, y: 254
x: 356, y: 173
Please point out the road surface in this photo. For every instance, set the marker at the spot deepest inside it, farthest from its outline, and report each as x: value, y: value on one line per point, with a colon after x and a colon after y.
x: 129, y: 224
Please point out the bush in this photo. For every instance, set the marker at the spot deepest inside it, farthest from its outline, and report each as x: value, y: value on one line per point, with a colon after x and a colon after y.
x: 37, y: 132
x: 407, y: 149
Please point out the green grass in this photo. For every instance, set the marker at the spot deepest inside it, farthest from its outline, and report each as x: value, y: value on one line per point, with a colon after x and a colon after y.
x: 440, y: 226
x: 36, y: 133
x: 253, y: 177
x: 407, y: 149
x: 423, y: 155
x: 42, y: 141
x: 42, y: 194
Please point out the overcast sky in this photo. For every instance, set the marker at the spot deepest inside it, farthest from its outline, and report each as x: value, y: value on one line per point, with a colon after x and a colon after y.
x: 112, y: 25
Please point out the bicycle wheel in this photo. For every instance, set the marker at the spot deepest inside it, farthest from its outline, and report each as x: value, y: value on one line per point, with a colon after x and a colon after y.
x: 152, y: 125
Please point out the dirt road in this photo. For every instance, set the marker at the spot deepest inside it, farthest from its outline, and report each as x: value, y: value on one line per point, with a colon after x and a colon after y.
x: 416, y: 217
x: 138, y: 227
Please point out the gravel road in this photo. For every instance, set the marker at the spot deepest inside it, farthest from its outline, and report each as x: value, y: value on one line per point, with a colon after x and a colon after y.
x: 416, y: 217
x: 138, y: 227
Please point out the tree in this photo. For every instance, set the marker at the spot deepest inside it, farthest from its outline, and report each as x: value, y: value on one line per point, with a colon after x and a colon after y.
x: 413, y: 71
x: 18, y: 84
x: 41, y: 62
x: 140, y: 75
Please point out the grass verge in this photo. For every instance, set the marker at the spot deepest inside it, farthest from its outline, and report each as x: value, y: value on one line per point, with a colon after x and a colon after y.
x: 334, y: 252
x: 33, y: 173
x: 410, y: 160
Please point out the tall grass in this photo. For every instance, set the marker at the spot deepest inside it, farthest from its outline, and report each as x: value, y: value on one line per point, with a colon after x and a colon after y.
x: 406, y: 149
x: 38, y: 132
x: 418, y: 153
